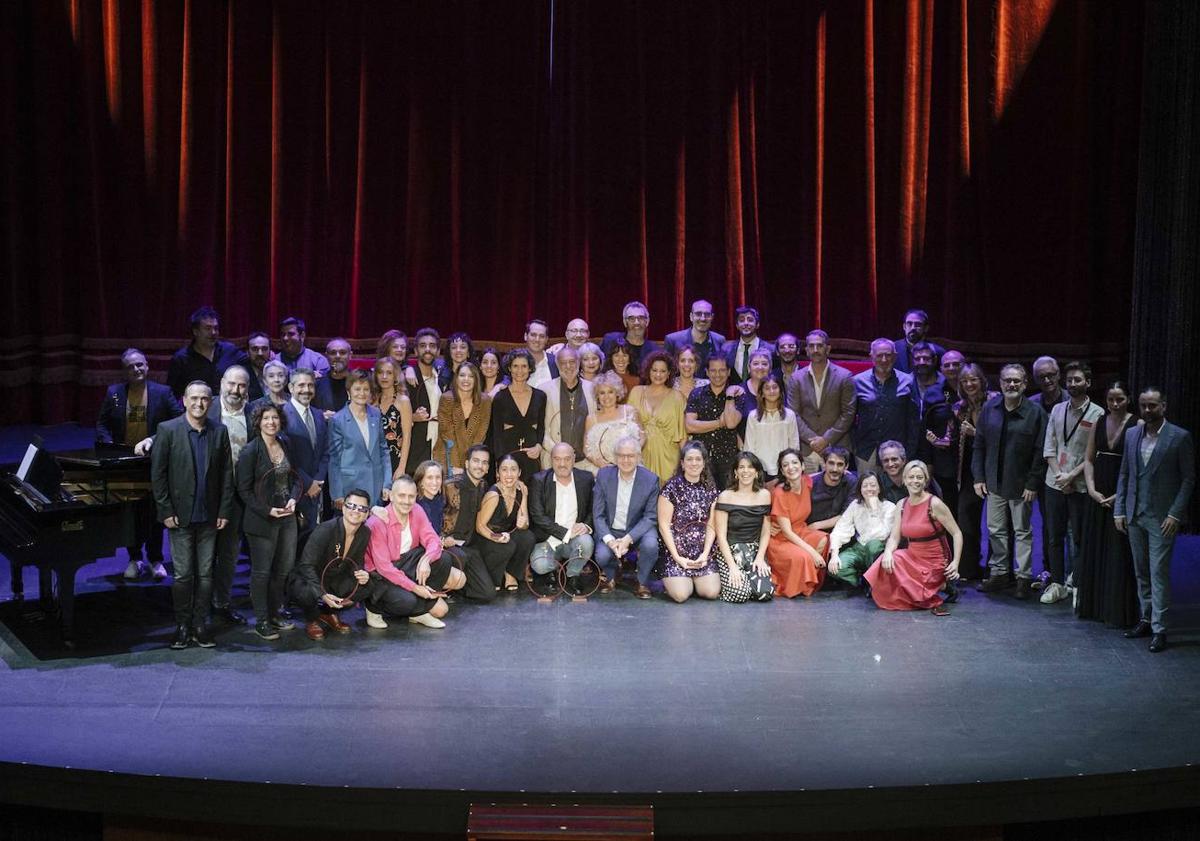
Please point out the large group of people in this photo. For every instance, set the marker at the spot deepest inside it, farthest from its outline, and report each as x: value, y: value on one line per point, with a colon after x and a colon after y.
x: 724, y: 469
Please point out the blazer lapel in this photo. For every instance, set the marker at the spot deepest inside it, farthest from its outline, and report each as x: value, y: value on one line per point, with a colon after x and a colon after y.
x: 1165, y: 438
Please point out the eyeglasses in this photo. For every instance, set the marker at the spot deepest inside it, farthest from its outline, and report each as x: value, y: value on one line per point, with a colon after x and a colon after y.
x: 1013, y: 380
x: 699, y: 314
x: 637, y: 318
x: 354, y: 506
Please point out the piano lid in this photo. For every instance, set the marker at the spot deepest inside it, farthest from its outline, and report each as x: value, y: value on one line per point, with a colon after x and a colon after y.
x: 102, y: 457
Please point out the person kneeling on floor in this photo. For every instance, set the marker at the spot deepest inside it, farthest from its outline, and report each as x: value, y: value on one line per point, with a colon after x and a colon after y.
x: 333, y: 559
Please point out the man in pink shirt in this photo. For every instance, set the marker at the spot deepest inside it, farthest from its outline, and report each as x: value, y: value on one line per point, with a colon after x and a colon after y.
x: 409, y: 575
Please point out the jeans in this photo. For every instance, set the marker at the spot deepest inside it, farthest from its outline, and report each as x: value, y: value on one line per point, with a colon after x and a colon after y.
x: 576, y: 552
x: 271, y: 559
x: 229, y: 546
x: 192, y: 551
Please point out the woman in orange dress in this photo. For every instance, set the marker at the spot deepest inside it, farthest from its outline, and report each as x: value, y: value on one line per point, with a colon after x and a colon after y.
x: 796, y: 554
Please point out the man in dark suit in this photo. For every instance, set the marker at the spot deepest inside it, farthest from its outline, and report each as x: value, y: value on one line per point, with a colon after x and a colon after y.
x: 822, y: 396
x: 625, y: 517
x: 560, y: 514
x: 231, y: 410
x: 1158, y: 473
x: 737, y: 351
x: 700, y: 337
x: 1009, y: 468
x: 130, y: 415
x: 192, y: 475
x: 304, y: 426
x: 916, y: 328
x: 636, y: 319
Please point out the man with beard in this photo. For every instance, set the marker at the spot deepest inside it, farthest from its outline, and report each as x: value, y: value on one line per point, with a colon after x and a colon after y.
x: 892, y: 458
x: 787, y: 358
x: 831, y: 489
x: 130, y: 415
x: 737, y: 351
x: 700, y: 337
x: 822, y: 396
x: 1158, y: 473
x: 916, y: 329
x: 1008, y: 467
x: 544, y: 365
x: 464, y: 494
x: 577, y: 334
x: 258, y: 348
x: 206, y: 357
x: 425, y: 396
x: 712, y: 416
x: 569, y: 401
x: 292, y: 333
x: 232, y: 411
x: 305, y: 428
x: 331, y: 389
x: 1067, y: 433
x: 636, y: 318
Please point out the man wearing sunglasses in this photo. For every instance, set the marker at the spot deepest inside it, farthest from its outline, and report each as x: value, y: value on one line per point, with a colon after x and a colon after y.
x: 332, y: 558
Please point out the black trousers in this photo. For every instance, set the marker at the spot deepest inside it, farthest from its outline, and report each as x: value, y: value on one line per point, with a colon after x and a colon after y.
x: 969, y: 515
x: 511, y: 557
x: 393, y: 600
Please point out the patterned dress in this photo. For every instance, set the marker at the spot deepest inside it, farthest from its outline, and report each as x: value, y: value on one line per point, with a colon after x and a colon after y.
x: 689, y: 527
x: 393, y: 433
x: 743, y: 533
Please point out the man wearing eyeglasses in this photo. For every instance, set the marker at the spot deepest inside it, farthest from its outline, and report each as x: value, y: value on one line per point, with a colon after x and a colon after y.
x: 700, y: 337
x: 637, y: 320
x: 1009, y: 469
x: 578, y: 332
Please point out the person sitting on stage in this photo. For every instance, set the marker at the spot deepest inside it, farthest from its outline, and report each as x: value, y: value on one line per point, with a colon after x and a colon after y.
x: 591, y: 361
x: 409, y: 576
x: 331, y: 389
x: 892, y: 458
x: 570, y: 401
x: 560, y: 516
x: 431, y: 497
x: 862, y: 531
x: 130, y: 415
x: 344, y: 538
x: 463, y: 495
x: 293, y: 353
x: 911, y: 578
x: 685, y: 534
x: 831, y: 489
x: 206, y: 357
x: 796, y: 554
x: 464, y: 417
x: 741, y: 519
x: 358, y: 451
x: 503, y: 523
x: 625, y: 513
x: 263, y: 478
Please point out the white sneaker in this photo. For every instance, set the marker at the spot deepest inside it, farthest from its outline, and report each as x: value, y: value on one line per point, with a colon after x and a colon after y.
x: 158, y: 571
x: 1071, y: 580
x: 375, y: 620
x: 1054, y: 592
x: 135, y: 570
x: 428, y: 620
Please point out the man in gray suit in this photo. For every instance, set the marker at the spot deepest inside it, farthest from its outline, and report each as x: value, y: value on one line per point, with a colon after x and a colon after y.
x: 192, y: 476
x: 625, y: 517
x: 822, y: 396
x: 1153, y: 491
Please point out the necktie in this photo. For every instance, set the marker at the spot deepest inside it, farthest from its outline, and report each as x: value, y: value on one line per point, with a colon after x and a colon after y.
x: 312, y: 427
x: 745, y: 364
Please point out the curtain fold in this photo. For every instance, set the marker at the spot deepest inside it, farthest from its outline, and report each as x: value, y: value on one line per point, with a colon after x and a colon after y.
x: 470, y: 165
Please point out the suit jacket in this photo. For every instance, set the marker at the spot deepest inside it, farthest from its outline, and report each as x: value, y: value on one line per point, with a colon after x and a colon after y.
x: 352, y: 462
x: 731, y: 349
x: 904, y: 362
x: 1171, y: 473
x: 253, y: 463
x: 161, y: 405
x: 833, y: 419
x: 173, y: 472
x: 553, y: 434
x: 543, y: 500
x: 1024, y: 466
x: 462, y: 432
x: 310, y: 460
x: 680, y: 339
x: 420, y: 448
x: 643, y: 503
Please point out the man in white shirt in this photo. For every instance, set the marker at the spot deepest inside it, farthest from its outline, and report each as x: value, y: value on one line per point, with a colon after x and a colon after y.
x: 560, y: 515
x: 232, y: 411
x: 625, y: 514
x: 544, y: 367
x: 1067, y: 432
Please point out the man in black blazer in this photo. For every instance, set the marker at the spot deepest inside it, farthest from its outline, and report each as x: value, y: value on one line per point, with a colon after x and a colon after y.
x: 192, y: 475
x: 560, y: 515
x: 130, y: 415
x: 1009, y: 468
x: 700, y: 337
x: 737, y: 351
x: 304, y: 426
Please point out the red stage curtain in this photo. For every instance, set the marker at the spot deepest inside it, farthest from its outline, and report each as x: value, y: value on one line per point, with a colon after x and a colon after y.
x: 470, y: 164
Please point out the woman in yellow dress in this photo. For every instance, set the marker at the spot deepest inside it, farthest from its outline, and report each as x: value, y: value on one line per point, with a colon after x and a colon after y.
x: 660, y: 410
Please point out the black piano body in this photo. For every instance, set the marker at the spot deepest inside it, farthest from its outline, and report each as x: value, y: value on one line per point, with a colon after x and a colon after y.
x: 97, y: 508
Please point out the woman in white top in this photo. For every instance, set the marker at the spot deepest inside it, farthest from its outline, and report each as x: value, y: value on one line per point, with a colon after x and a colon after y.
x: 771, y: 427
x: 611, y: 422
x: 862, y: 532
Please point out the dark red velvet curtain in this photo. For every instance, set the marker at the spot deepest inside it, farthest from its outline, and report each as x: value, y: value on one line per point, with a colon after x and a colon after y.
x: 468, y: 164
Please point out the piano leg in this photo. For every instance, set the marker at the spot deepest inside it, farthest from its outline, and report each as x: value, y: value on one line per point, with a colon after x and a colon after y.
x: 66, y: 602
x: 17, y: 580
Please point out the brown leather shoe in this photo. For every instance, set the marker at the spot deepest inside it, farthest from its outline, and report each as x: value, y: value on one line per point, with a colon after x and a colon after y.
x: 314, y: 631
x: 607, y: 585
x: 335, y: 623
x: 642, y: 591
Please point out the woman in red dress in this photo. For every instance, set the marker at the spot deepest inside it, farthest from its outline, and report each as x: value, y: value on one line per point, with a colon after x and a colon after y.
x: 797, y: 553
x: 912, y: 578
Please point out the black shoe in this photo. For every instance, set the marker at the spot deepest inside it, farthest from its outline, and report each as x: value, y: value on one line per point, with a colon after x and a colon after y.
x: 228, y: 615
x: 181, y: 638
x: 994, y: 584
x: 1158, y: 643
x: 573, y: 585
x: 203, y: 637
x: 1024, y: 589
x: 951, y: 592
x: 1141, y: 629
x: 266, y: 631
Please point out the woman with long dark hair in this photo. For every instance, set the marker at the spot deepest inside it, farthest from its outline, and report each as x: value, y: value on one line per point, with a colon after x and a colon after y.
x: 796, y: 554
x: 685, y: 532
x: 741, y: 519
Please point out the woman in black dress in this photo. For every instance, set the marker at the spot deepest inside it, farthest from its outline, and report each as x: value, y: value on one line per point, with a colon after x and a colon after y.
x: 503, y: 523
x: 519, y: 416
x: 742, y: 521
x: 1106, y: 589
x: 960, y: 438
x: 389, y: 393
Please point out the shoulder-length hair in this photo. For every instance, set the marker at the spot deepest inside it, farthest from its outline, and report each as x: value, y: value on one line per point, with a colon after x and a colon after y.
x: 514, y: 354
x: 399, y: 385
x: 619, y: 346
x: 476, y: 375
x: 779, y: 464
x: 423, y: 468
x: 658, y: 356
x: 592, y: 348
x: 384, y: 346
x: 460, y: 336
x: 706, y: 476
x: 257, y: 415
x: 772, y: 377
x: 864, y: 476
x: 760, y: 478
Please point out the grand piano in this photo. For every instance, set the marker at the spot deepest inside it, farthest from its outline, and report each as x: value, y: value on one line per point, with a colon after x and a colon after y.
x: 62, y: 511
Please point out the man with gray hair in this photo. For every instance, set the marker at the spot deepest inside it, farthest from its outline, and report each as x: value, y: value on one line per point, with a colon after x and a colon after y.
x: 560, y: 515
x: 569, y: 402
x: 1008, y: 467
x: 636, y: 319
x: 304, y: 426
x: 887, y: 407
x: 625, y: 517
x: 232, y: 411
